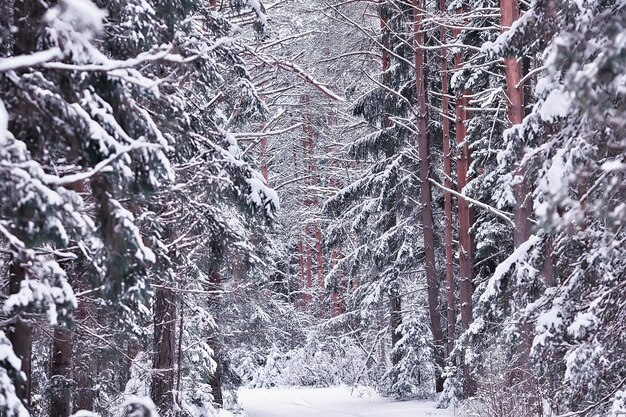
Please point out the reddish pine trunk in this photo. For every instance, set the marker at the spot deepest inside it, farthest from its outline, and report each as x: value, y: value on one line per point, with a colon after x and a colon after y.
x: 464, y: 217
x: 447, y: 171
x: 308, y: 235
x: 320, y: 256
x: 264, y: 168
x: 309, y: 263
x: 465, y: 212
x: 302, y: 269
x: 522, y: 209
x: 425, y: 194
x: 164, y: 348
x: 61, y: 352
x: 509, y: 11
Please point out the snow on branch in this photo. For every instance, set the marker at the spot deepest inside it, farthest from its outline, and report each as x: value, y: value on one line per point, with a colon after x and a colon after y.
x: 31, y: 60
x: 516, y: 257
x: 290, y: 66
x: 81, y: 176
x: 508, y: 217
x: 308, y: 78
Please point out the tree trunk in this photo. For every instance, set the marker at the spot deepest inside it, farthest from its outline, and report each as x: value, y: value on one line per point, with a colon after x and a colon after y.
x: 60, y: 369
x: 164, y: 348
x: 214, y: 343
x: 425, y: 194
x: 319, y: 252
x: 465, y: 216
x: 307, y: 156
x: 395, y: 320
x: 21, y: 336
x: 303, y: 298
x: 447, y: 171
x: 83, y: 367
x: 264, y: 167
x: 521, y: 212
x: 465, y: 212
x: 179, y: 358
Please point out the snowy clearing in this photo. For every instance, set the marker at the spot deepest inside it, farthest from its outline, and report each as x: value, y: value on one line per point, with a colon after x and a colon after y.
x: 331, y: 402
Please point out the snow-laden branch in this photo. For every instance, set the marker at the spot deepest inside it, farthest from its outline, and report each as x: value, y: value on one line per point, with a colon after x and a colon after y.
x: 508, y: 217
x: 252, y: 135
x: 82, y: 176
x: 34, y: 59
x: 113, y: 64
x: 286, y: 39
x: 163, y: 55
x: 290, y: 66
x: 308, y: 78
x: 286, y: 183
x: 493, y: 284
x: 13, y: 240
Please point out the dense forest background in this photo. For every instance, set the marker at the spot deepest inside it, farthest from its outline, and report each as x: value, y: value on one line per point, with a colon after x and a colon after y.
x: 424, y: 197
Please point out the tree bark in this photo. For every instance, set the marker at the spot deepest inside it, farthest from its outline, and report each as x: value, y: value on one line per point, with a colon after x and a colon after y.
x: 447, y: 171
x: 521, y: 212
x: 264, y: 167
x: 60, y: 372
x: 395, y: 320
x: 164, y: 348
x: 425, y: 194
x: 216, y: 380
x: 465, y: 217
x: 83, y: 366
x: 307, y: 156
x: 464, y: 210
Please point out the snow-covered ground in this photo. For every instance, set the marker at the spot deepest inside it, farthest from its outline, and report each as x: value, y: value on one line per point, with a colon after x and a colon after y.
x: 331, y: 402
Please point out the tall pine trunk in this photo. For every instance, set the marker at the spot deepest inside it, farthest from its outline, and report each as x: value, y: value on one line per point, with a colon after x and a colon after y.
x: 25, y: 17
x: 308, y: 234
x: 425, y: 193
x: 60, y: 372
x: 465, y: 212
x: 164, y: 348
x: 395, y: 320
x: 447, y: 172
x: 214, y: 342
x: 465, y: 217
x: 521, y: 212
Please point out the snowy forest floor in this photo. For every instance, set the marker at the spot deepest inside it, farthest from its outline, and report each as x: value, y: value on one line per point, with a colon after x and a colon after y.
x: 331, y: 402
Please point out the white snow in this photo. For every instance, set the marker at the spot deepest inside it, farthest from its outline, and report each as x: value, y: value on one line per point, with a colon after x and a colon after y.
x: 517, y: 256
x: 22, y: 61
x: 331, y: 402
x: 80, y: 12
x: 608, y: 166
x: 556, y: 173
x: 557, y: 104
x: 4, y: 124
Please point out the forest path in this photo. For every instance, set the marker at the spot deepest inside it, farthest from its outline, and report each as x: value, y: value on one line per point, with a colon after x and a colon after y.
x: 331, y: 402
